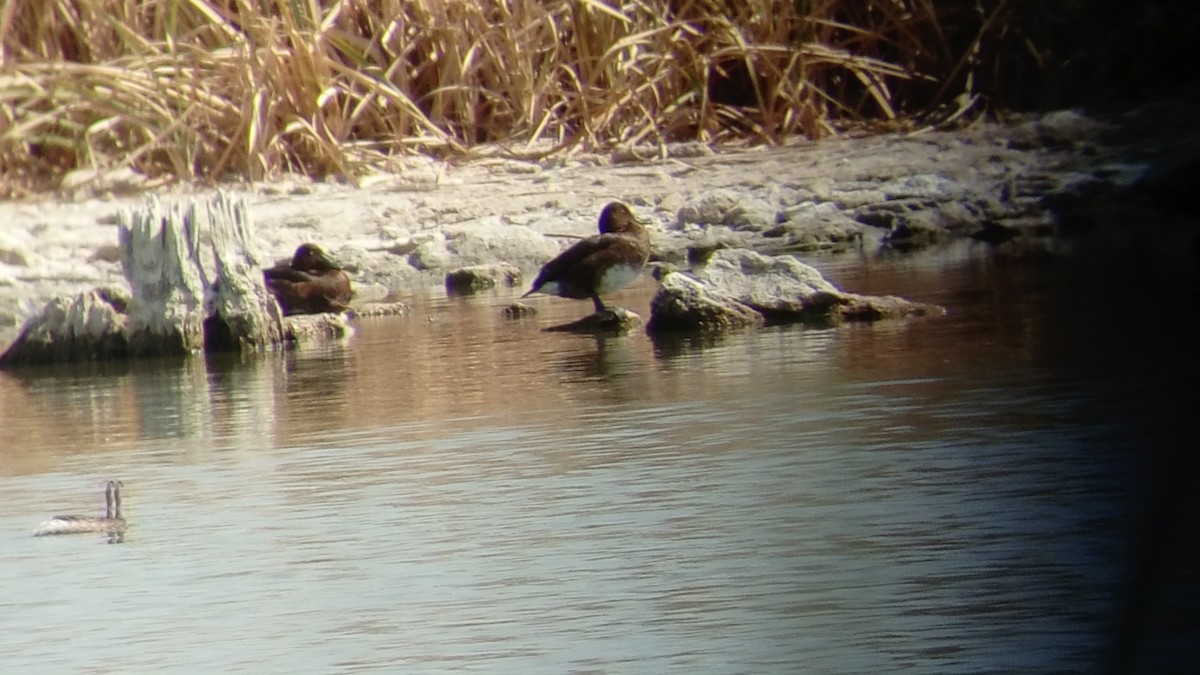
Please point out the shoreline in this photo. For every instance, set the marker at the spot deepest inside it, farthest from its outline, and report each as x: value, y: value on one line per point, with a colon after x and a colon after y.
x: 405, y: 231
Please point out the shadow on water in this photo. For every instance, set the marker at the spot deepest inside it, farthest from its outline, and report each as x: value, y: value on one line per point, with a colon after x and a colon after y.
x: 1007, y: 488
x: 670, y: 346
x: 610, y: 358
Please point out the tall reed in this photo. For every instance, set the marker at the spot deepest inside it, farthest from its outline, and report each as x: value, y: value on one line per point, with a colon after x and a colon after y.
x: 198, y: 89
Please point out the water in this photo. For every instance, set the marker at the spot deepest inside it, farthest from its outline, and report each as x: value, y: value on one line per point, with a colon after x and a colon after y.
x: 454, y: 492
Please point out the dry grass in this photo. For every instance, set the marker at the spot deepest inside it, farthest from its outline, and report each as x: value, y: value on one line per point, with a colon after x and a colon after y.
x: 198, y: 89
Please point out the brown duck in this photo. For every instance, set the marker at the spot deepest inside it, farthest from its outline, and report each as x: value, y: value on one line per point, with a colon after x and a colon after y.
x: 310, y: 284
x: 599, y: 264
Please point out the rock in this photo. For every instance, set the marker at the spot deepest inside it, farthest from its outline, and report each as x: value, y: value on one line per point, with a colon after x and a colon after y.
x: 308, y: 328
x: 854, y: 195
x: 910, y: 233
x: 914, y: 223
x: 926, y: 187
x: 430, y: 252
x: 13, y: 253
x: 686, y: 304
x: 479, y: 244
x: 366, y: 292
x: 89, y: 326
x: 490, y: 241
x: 854, y: 307
x: 352, y: 258
x: 780, y: 288
x: 724, y: 208
x: 810, y: 226
x: 518, y: 310
x: 1056, y: 129
x: 474, y: 278
x: 677, y: 246
x: 738, y: 288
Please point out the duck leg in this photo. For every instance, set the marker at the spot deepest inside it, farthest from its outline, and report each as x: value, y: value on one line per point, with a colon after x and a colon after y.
x: 600, y: 308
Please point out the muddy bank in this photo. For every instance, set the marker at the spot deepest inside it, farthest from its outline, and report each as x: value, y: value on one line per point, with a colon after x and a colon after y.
x: 1031, y: 187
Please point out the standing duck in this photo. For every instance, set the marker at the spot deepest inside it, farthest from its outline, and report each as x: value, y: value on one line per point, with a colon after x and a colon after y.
x: 600, y: 264
x: 111, y: 523
x: 310, y: 284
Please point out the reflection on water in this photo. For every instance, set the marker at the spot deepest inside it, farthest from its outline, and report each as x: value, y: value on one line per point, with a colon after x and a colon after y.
x: 452, y: 491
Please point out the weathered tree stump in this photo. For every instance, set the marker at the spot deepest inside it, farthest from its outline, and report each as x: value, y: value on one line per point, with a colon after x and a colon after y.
x: 195, y: 282
x: 159, y: 256
x: 244, y: 316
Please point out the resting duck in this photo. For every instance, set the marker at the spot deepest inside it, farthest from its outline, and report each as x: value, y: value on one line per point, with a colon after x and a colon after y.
x: 310, y: 284
x: 112, y: 522
x: 600, y: 264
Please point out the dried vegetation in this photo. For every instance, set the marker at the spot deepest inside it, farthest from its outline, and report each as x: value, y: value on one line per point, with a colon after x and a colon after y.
x: 199, y: 89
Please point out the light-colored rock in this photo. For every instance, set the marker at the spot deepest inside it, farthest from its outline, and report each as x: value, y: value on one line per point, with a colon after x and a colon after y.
x: 13, y: 252
x: 811, y: 226
x: 772, y: 285
x: 724, y: 207
x: 84, y: 327
x: 855, y: 307
x: 686, y: 304
x: 518, y: 310
x: 735, y: 288
x: 305, y: 329
x: 474, y: 278
x: 430, y: 254
x: 488, y: 242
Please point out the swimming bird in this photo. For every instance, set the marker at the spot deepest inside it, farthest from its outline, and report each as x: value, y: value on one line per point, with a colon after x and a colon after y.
x: 111, y: 523
x: 600, y: 264
x: 310, y: 284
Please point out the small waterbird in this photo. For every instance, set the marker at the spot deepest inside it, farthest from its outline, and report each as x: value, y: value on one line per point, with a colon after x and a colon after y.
x: 310, y: 284
x: 600, y: 264
x: 111, y: 523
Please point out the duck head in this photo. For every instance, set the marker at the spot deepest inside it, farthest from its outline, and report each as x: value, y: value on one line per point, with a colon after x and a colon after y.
x: 617, y: 217
x: 311, y: 258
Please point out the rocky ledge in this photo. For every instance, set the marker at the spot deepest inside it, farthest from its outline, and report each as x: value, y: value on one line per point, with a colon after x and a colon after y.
x: 736, y: 288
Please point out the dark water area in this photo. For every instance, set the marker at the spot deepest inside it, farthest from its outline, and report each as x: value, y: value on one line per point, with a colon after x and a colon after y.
x: 1009, y: 488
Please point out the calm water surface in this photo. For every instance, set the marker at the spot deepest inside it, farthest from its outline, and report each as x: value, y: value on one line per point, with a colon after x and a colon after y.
x: 993, y: 491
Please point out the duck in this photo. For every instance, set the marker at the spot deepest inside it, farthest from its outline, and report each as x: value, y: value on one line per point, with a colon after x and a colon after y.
x: 112, y: 522
x: 599, y: 264
x: 310, y: 284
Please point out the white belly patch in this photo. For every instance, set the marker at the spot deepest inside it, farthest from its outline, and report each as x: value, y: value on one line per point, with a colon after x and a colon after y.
x: 617, y: 277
